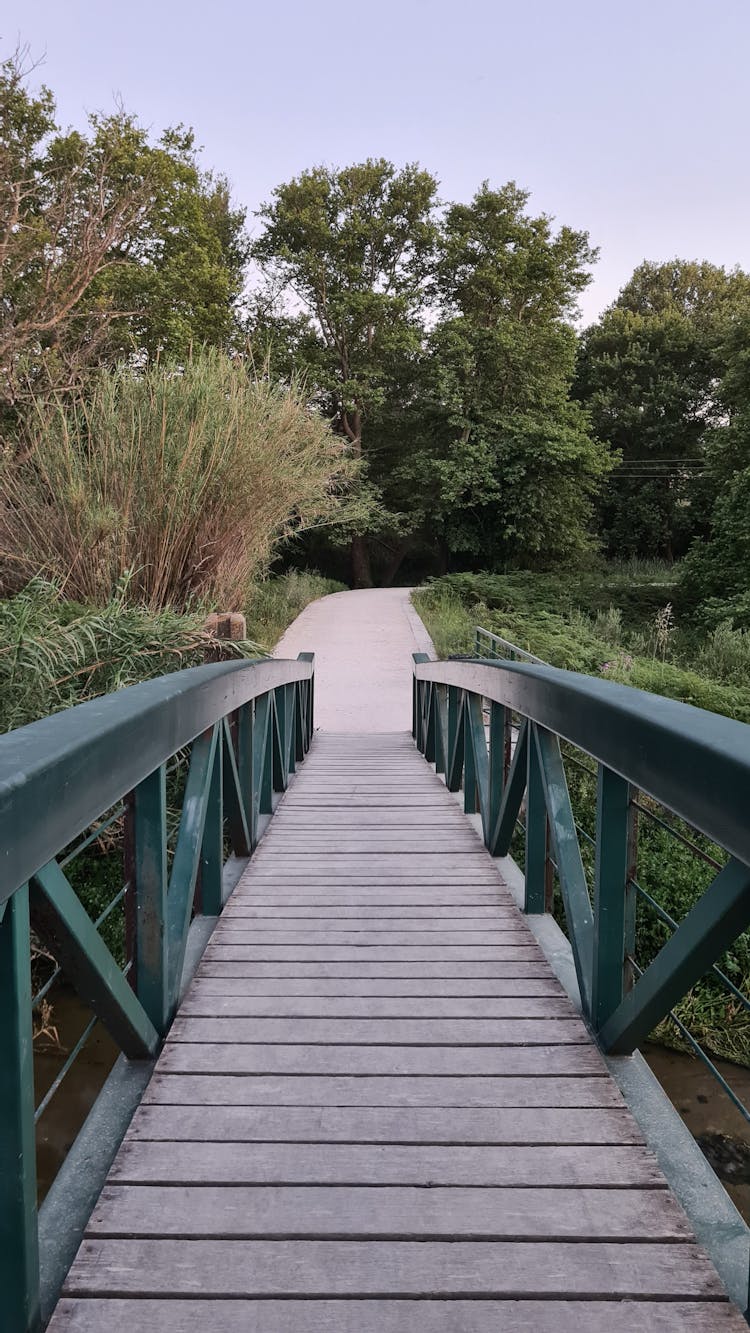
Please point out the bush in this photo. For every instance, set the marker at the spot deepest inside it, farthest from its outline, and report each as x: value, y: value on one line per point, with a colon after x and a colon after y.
x: 185, y: 475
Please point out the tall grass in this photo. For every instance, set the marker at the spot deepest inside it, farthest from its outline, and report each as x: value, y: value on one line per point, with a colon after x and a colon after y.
x: 274, y: 603
x: 54, y: 653
x: 185, y: 475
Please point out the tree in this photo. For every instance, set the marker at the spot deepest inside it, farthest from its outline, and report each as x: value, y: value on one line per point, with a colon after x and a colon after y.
x: 515, y: 463
x: 716, y: 571
x: 352, y: 250
x: 108, y: 244
x: 648, y: 374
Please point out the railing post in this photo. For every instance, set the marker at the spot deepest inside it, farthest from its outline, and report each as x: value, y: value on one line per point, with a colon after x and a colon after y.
x: 212, y: 843
x: 471, y: 803
x: 613, y: 907
x: 263, y: 752
x: 536, y: 832
x: 453, y: 771
x: 245, y: 732
x: 146, y: 870
x: 19, y: 1242
x: 496, y: 762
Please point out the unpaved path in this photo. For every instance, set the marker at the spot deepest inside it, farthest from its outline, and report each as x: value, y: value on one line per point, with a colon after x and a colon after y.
x: 363, y: 642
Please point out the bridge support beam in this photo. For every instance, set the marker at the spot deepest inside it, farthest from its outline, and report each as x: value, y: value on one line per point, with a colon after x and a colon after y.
x: 19, y: 1243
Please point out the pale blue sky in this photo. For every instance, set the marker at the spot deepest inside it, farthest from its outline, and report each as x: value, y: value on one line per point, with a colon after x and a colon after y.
x: 629, y: 119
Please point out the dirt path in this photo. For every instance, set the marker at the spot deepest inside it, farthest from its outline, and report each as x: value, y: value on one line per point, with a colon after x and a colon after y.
x: 363, y: 642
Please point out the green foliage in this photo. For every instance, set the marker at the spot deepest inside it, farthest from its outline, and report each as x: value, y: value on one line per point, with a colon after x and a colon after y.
x: 600, y: 625
x: 354, y: 247
x: 648, y: 372
x: 443, y: 349
x: 514, y: 459
x: 186, y: 475
x: 55, y: 653
x: 110, y: 244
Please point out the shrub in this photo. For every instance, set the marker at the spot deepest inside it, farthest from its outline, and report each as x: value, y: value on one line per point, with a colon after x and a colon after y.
x: 185, y: 475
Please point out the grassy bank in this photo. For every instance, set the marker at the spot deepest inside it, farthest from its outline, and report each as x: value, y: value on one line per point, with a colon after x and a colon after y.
x: 617, y: 622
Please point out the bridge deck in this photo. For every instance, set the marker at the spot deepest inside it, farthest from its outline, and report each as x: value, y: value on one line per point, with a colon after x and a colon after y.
x: 377, y: 1111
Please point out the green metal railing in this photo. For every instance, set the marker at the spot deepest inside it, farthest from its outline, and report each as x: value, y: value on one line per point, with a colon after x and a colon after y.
x: 64, y: 783
x: 693, y: 764
x: 493, y: 647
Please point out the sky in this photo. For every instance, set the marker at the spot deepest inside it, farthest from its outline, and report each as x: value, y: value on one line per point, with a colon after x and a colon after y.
x: 625, y: 118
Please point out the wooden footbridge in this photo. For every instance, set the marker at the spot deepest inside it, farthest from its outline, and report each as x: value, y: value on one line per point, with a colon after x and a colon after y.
x: 374, y: 1108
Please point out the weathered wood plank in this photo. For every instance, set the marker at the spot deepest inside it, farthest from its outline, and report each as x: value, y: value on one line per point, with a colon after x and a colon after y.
x: 365, y: 918
x: 202, y: 1004
x: 376, y: 1088
x: 395, y: 1268
x: 420, y: 988
x: 388, y: 1213
x: 383, y: 1164
x: 79, y: 1315
x: 298, y: 1090
x: 352, y: 953
x: 385, y: 1031
x: 519, y: 1061
x: 378, y: 1124
x: 218, y: 965
x: 364, y: 936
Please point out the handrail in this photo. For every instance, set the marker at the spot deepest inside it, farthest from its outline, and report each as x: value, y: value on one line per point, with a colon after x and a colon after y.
x: 696, y: 763
x: 511, y: 652
x: 71, y: 752
x: 247, y: 724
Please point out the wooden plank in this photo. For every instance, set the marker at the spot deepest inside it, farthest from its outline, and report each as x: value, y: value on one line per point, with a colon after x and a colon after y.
x: 363, y: 936
x: 297, y: 1090
x: 219, y: 967
x: 352, y: 953
x: 376, y: 1088
x: 409, y: 988
x: 397, y: 1268
x: 202, y: 1004
x: 81, y: 1315
x: 378, y: 1124
x: 469, y: 916
x: 385, y: 1031
x: 383, y: 1164
x: 519, y: 1061
x: 383, y: 1214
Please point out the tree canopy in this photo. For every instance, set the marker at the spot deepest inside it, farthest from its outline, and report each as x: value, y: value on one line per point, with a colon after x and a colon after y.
x: 109, y: 244
x: 649, y: 374
x: 441, y: 343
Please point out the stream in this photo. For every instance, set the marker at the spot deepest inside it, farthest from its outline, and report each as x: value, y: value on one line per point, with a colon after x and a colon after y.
x: 719, y: 1128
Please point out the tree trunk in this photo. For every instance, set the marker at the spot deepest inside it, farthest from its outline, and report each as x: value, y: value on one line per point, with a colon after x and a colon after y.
x: 394, y: 563
x: 359, y: 554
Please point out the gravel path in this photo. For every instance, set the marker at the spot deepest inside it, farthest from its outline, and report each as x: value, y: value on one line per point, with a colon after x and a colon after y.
x: 363, y: 642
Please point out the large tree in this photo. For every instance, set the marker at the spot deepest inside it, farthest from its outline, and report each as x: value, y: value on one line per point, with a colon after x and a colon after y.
x: 515, y: 463
x: 716, y: 571
x: 648, y: 373
x: 347, y: 254
x: 108, y: 243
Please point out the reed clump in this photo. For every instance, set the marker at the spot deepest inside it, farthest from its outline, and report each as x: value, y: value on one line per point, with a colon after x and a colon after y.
x: 183, y: 477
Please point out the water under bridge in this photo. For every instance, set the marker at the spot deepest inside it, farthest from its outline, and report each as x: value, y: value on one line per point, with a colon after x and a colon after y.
x: 367, y: 1084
